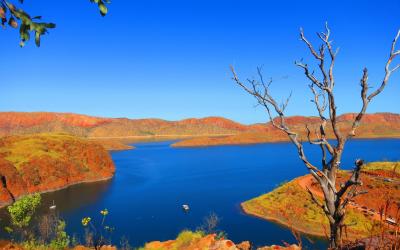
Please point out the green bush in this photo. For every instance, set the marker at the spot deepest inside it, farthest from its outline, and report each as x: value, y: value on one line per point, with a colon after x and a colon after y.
x: 21, y: 211
x: 61, y: 240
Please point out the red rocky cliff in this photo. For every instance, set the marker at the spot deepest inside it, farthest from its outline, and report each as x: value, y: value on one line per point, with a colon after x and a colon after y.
x: 40, y: 163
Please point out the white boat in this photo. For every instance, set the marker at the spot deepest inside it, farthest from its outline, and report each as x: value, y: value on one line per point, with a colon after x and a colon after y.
x: 185, y: 207
x: 52, y: 207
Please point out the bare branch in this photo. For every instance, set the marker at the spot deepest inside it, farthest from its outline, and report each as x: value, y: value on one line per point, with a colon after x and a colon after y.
x: 322, y: 89
x: 366, y: 99
x: 265, y: 99
x: 353, y: 180
x: 312, y: 50
x: 327, y: 83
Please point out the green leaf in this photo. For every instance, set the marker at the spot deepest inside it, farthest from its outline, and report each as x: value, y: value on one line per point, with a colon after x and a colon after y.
x: 11, y: 7
x: 37, y: 39
x: 50, y: 25
x: 103, y: 9
x: 24, y: 33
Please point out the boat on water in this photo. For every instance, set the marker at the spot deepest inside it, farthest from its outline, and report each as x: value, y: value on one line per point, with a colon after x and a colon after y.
x: 185, y: 207
x: 52, y: 207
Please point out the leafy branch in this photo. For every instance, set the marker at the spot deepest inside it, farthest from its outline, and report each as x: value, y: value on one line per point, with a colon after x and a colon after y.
x: 16, y: 17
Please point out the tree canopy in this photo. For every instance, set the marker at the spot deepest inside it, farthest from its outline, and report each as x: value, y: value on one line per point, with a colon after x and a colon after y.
x: 15, y: 17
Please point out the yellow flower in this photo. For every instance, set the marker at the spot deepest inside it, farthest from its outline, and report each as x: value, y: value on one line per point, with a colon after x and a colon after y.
x: 86, y: 221
x: 104, y: 212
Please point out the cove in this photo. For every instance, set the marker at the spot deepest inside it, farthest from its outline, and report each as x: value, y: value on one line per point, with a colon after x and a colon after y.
x: 154, y: 180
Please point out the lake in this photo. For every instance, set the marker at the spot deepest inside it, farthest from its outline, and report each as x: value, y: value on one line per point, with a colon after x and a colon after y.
x: 153, y: 181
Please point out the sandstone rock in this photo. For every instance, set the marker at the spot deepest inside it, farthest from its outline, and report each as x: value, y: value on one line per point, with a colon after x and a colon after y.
x: 245, y: 245
x: 275, y: 247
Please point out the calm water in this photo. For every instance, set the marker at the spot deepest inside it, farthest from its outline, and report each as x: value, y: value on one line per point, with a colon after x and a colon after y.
x: 154, y: 180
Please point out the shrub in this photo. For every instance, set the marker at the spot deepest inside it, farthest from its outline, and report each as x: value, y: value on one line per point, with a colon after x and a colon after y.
x: 21, y: 211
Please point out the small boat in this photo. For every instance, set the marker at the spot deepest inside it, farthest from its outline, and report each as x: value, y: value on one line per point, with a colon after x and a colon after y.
x: 52, y: 207
x: 185, y: 207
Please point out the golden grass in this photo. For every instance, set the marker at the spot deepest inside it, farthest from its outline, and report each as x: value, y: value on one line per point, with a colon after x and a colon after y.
x: 384, y: 166
x: 22, y: 148
x: 292, y: 206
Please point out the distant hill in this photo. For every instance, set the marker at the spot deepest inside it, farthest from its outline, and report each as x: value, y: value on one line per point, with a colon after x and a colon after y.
x: 379, y: 125
x: 88, y: 126
x: 198, y: 132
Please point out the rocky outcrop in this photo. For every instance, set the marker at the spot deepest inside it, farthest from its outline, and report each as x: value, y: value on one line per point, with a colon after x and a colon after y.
x: 209, y: 242
x: 47, y: 162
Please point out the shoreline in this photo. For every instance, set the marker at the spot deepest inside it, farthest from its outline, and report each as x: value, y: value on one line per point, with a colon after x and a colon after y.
x: 281, y: 223
x: 176, y: 136
x: 272, y: 142
x: 57, y: 189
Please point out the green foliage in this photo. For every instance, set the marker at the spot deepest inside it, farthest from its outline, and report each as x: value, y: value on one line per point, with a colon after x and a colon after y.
x: 11, y: 15
x: 384, y: 165
x: 21, y: 211
x: 186, y: 237
x: 102, y: 6
x: 61, y: 240
x: 221, y: 235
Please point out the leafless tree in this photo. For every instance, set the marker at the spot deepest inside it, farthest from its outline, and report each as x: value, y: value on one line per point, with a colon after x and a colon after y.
x: 335, y: 198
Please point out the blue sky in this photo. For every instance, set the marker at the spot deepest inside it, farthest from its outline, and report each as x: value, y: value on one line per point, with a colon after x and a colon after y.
x: 170, y: 59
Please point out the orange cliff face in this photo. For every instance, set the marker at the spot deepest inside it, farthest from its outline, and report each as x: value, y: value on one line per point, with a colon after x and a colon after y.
x: 27, y: 119
x: 81, y: 125
x: 46, y: 162
x: 379, y: 125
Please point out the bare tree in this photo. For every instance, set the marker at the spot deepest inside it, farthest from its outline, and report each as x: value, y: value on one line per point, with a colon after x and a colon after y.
x: 335, y: 198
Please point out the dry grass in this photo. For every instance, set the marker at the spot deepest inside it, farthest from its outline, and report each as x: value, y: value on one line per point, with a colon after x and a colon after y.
x: 292, y: 206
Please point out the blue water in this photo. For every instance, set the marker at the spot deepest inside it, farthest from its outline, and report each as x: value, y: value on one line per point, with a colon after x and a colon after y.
x: 154, y: 180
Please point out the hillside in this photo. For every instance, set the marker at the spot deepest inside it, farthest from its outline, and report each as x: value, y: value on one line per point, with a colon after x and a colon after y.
x: 379, y: 125
x: 87, y: 126
x: 46, y: 162
x: 193, y: 132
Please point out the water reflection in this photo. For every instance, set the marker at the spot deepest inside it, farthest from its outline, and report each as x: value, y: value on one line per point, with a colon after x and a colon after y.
x: 76, y: 196
x: 67, y: 200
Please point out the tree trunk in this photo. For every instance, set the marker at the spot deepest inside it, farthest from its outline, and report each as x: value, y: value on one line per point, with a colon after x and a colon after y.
x: 333, y: 211
x: 335, y: 235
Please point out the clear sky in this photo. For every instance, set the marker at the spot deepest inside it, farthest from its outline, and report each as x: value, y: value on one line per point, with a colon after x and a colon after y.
x: 170, y: 59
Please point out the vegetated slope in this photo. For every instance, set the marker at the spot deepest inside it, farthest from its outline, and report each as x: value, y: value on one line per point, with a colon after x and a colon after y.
x: 379, y: 125
x: 291, y: 205
x: 82, y: 125
x: 46, y: 162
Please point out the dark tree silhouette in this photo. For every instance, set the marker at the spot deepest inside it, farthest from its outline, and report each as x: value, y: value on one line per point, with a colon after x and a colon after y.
x: 335, y: 199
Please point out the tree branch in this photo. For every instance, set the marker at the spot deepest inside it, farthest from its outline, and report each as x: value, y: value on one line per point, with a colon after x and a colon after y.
x: 366, y: 99
x: 353, y: 180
